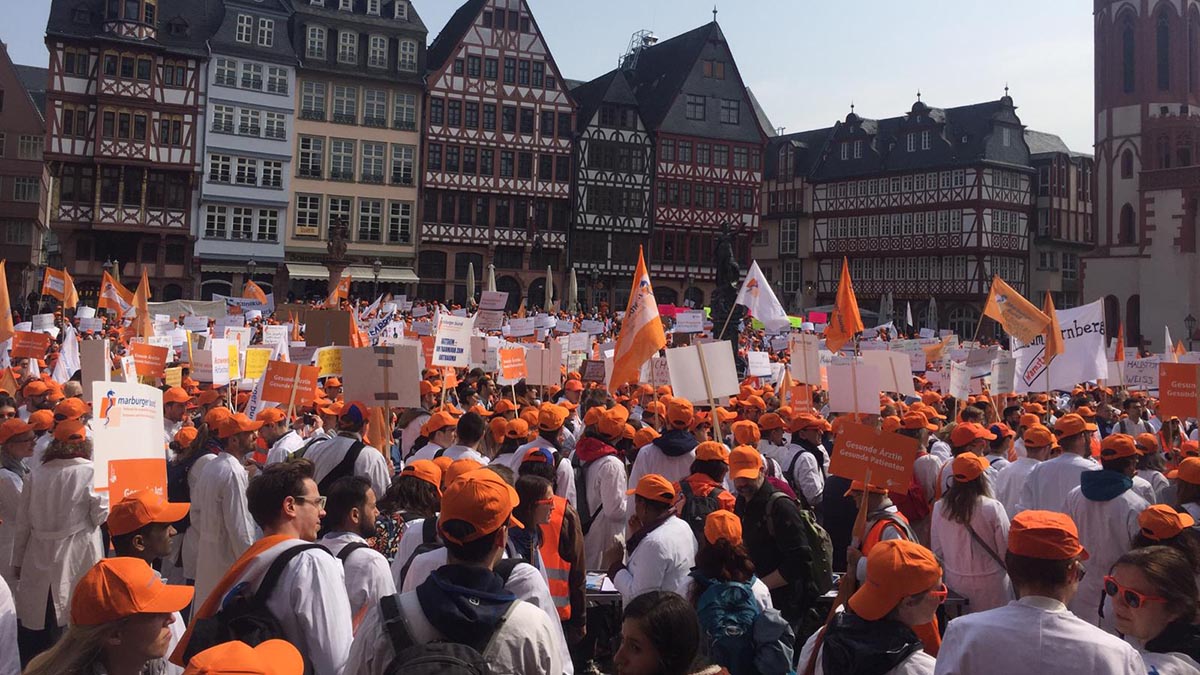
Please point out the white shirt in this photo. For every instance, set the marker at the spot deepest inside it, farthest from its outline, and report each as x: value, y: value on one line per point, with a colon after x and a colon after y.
x: 10, y: 503
x: 10, y: 656
x: 411, y: 433
x: 917, y: 663
x: 1033, y: 635
x: 926, y: 469
x: 661, y: 562
x: 967, y: 567
x: 370, y: 464
x: 222, y: 521
x: 941, y: 450
x: 1164, y: 492
x: 428, y: 451
x: 310, y: 603
x: 1047, y: 486
x: 1106, y: 530
x: 414, y: 536
x: 284, y: 446
x: 605, y: 484
x: 807, y: 473
x: 1010, y: 481
x: 1173, y: 663
x: 368, y: 577
x: 564, y: 474
x: 457, y: 452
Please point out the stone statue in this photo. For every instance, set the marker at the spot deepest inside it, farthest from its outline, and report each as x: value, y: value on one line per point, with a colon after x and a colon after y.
x: 726, y: 313
x: 728, y: 271
x: 338, y: 235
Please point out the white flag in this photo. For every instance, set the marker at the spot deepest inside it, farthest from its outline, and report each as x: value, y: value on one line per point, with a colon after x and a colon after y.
x: 1168, y: 346
x: 68, y: 357
x: 908, y: 314
x: 370, y: 308
x: 756, y: 294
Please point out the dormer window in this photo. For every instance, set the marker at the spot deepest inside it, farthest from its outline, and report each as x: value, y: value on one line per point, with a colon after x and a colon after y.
x: 373, y: 7
x: 245, y: 28
x: 347, y: 47
x: 912, y: 142
x: 845, y: 151
x: 401, y: 10
x: 858, y: 149
x: 138, y: 11
x: 925, y: 139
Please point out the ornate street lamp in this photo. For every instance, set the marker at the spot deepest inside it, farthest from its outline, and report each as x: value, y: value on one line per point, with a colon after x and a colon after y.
x: 376, y: 268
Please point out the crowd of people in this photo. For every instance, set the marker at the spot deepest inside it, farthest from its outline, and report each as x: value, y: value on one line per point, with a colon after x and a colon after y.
x: 570, y: 528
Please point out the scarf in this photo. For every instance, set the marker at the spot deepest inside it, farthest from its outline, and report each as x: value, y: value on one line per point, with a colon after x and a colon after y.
x: 14, y: 465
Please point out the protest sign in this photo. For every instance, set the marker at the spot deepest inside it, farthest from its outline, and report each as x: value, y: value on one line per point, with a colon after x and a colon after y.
x: 805, y: 364
x: 275, y: 335
x: 129, y: 447
x: 758, y: 364
x: 95, y: 363
x: 591, y: 327
x: 240, y: 336
x: 894, y: 373
x: 28, y: 345
x: 1141, y: 374
x: 91, y: 324
x: 960, y: 380
x: 82, y: 312
x: 173, y: 377
x: 329, y: 362
x: 194, y: 323
x: 289, y: 384
x: 256, y: 359
x: 660, y: 371
x: 388, y: 376
x: 854, y: 387
x: 148, y: 360
x: 233, y: 320
x: 452, y: 347
x: 42, y: 322
x: 867, y: 454
x: 691, y: 321
x: 592, y: 370
x: 1083, y: 357
x: 703, y: 373
x: 914, y: 350
x: 521, y: 327
x: 128, y: 370
x: 326, y: 327
x: 512, y: 365
x: 543, y: 366
x: 1177, y: 384
x: 1003, y: 377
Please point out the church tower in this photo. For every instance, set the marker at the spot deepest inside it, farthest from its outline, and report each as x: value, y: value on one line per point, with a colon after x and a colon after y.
x: 1147, y: 126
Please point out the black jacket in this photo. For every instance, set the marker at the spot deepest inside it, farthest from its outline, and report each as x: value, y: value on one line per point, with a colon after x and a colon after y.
x: 781, y: 548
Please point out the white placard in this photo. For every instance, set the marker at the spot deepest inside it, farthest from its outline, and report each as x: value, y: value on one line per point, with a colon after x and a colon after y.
x: 493, y: 301
x: 853, y: 388
x: 85, y: 312
x: 195, y: 323
x: 543, y: 366
x: 564, y: 326
x: 95, y: 362
x: 276, y: 334
x: 386, y: 376
x: 452, y: 344
x: 1004, y: 370
x: 1083, y: 358
x: 128, y: 425
x: 894, y: 372
x: 805, y: 364
x: 689, y: 322
x: 91, y: 323
x: 521, y: 327
x: 687, y: 372
x: 1141, y: 374
x: 960, y: 380
x: 591, y: 327
x: 42, y: 322
x: 758, y: 364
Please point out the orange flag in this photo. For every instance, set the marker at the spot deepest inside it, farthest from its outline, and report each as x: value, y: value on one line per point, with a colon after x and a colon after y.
x: 143, y: 324
x: 1119, y: 354
x: 251, y: 291
x: 846, y: 321
x: 340, y: 292
x: 114, y: 296
x: 1015, y: 314
x: 521, y: 311
x: 54, y: 283
x: 1054, y: 342
x: 1180, y: 350
x: 6, y: 323
x: 70, y: 295
x: 642, y: 333
x: 295, y: 326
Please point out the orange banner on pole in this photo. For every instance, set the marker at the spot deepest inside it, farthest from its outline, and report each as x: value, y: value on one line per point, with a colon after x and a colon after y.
x: 1014, y: 313
x: 281, y: 378
x: 862, y: 450
x: 27, y: 345
x: 1177, y: 386
x: 148, y: 360
x: 54, y: 283
x: 512, y: 364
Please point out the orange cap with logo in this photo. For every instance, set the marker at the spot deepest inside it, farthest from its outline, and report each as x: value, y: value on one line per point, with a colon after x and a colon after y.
x: 655, y: 488
x: 273, y: 657
x: 480, y: 499
x: 116, y: 588
x: 896, y: 569
x: 142, y: 508
x: 744, y: 462
x: 237, y: 424
x: 1161, y: 522
x: 722, y: 524
x: 746, y: 432
x: 1045, y: 535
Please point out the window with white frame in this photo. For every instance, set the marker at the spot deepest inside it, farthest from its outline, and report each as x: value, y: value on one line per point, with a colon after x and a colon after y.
x: 956, y: 221
x: 247, y: 171
x: 789, y: 235
x: 373, y: 7
x: 793, y: 276
x: 1070, y: 266
x: 339, y: 211
x: 308, y: 215
x: 341, y: 159
x: 266, y: 33
x: 911, y: 141
x: 312, y: 100
x: 925, y: 139
x: 245, y: 28
x: 1006, y: 136
x: 227, y: 72
x: 219, y: 168
x: 346, y: 5
x: 404, y: 112
x: 249, y: 122
x: 25, y: 189
x: 845, y: 150
x: 407, y: 62
x: 29, y: 147
x: 347, y: 47
x: 268, y: 225
x: 312, y: 156
x: 375, y: 107
x: 277, y: 80
x: 370, y: 220
x: 377, y: 52
x: 372, y: 161
x: 216, y: 222
x: 252, y: 76
x: 908, y: 181
x: 345, y: 104
x: 959, y: 178
x: 858, y: 149
x: 276, y: 126
x: 315, y: 44
x: 400, y: 223
x: 403, y: 161
x: 272, y: 174
x: 401, y: 9
x: 223, y: 119
x: 242, y: 223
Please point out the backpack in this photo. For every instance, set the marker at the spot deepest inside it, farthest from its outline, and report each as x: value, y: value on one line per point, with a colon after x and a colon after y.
x: 344, y: 554
x: 820, y: 565
x: 429, y: 542
x: 308, y: 444
x: 695, y: 509
x: 586, y: 515
x: 343, y: 468
x: 243, y: 615
x: 178, y: 490
x: 913, y: 503
x: 739, y: 636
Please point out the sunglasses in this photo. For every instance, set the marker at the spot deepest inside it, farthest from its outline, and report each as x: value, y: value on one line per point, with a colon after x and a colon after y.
x: 941, y: 593
x: 545, y: 502
x: 1131, y: 597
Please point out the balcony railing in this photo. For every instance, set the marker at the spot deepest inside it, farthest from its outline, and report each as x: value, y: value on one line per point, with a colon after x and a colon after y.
x: 314, y: 115
x: 404, y: 125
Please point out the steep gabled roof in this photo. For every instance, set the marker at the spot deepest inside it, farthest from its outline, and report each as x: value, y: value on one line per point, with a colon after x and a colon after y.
x: 808, y: 144
x: 453, y: 32
x: 763, y: 120
x: 611, y: 87
x: 85, y: 19
x: 34, y: 79
x: 663, y: 68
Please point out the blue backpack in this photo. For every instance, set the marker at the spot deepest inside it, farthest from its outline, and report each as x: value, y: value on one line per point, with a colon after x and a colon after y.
x: 740, y: 637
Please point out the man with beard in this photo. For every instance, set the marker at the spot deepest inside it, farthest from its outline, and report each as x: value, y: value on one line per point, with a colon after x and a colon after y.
x: 350, y: 513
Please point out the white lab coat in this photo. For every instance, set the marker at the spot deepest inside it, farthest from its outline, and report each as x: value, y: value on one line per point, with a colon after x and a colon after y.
x: 1173, y: 663
x: 606, y: 485
x: 371, y: 464
x: 284, y: 446
x: 190, y: 540
x: 222, y: 521
x: 661, y: 562
x: 1032, y: 635
x: 58, y: 537
x: 1010, y: 481
x: 1106, y: 530
x: 652, y: 460
x: 941, y: 450
x: 926, y: 469
x: 967, y: 568
x: 917, y: 663
x: 368, y: 578
x: 1164, y: 492
x: 524, y: 645
x: 428, y: 451
x: 457, y: 452
x: 564, y: 474
x: 411, y: 433
x: 1143, y: 489
x: 10, y: 503
x: 10, y: 656
x: 1047, y: 486
x: 807, y: 474
x: 414, y: 533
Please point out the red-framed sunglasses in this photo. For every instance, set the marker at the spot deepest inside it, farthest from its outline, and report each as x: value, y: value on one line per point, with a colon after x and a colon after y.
x: 941, y: 593
x: 1128, y: 595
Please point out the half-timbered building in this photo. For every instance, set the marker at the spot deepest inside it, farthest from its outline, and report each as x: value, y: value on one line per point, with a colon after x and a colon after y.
x: 1063, y: 226
x: 22, y: 130
x: 498, y: 165
x: 124, y: 105
x: 358, y: 133
x: 248, y: 147
x: 930, y: 204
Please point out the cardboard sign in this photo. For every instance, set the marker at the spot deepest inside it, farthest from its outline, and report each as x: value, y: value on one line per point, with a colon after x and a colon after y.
x: 488, y: 320
x: 195, y: 323
x: 512, y: 365
x: 660, y: 371
x: 82, y: 312
x: 543, y: 365
x: 493, y: 301
x: 894, y: 373
x: 691, y: 321
x: 240, y: 336
x: 276, y: 334
x: 28, y: 345
x: 173, y: 377
x: 703, y: 373
x: 256, y: 361
x: 388, y: 376
x: 864, y: 453
x: 42, y: 322
x: 329, y: 361
x: 521, y: 327
x: 1003, y: 377
x: 1141, y: 374
x: 960, y: 380
x: 91, y: 324
x: 148, y: 360
x: 325, y: 327
x: 758, y: 364
x: 127, y: 476
x: 95, y: 362
x: 128, y: 426
x: 1177, y: 385
x: 592, y: 371
x: 805, y: 364
x: 854, y: 388
x: 281, y: 379
x: 591, y: 327
x: 452, y: 347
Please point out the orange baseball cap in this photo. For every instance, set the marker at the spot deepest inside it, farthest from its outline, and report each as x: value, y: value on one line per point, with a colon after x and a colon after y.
x: 890, y: 423
x: 573, y: 385
x: 746, y: 432
x: 1038, y: 436
x: 428, y: 387
x: 1117, y: 446
x: 644, y: 436
x: 1190, y: 449
x: 236, y: 424
x: 858, y: 486
x: 1188, y: 471
x: 712, y: 451
x: 896, y: 569
x: 612, y: 421
x: 680, y: 413
x: 497, y: 425
x: 968, y: 432
x: 552, y: 417
x: 1002, y: 430
x: 1160, y: 522
x: 517, y: 429
x: 655, y: 488
x: 770, y: 422
x: 35, y: 388
x: 186, y: 436
x: 443, y: 463
x: 273, y: 657
x: 744, y: 462
x: 1072, y: 424
x: 724, y: 415
x: 208, y: 396
x: 70, y: 431
x: 142, y: 508
x: 70, y: 409
x: 41, y: 420
x: 116, y: 588
x: 176, y: 395
x: 13, y: 427
x: 504, y: 406
x: 213, y: 418
x: 333, y: 382
x: 459, y: 468
x: 482, y: 500
x: 425, y: 470
x: 271, y: 416
x: 1029, y: 420
x: 436, y: 422
x: 753, y: 401
x: 1146, y: 443
x: 916, y: 420
x: 722, y: 524
x: 538, y: 455
x: 968, y: 466
x: 1045, y: 535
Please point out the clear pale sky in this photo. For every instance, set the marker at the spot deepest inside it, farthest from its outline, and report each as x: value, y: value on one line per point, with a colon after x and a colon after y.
x: 807, y: 60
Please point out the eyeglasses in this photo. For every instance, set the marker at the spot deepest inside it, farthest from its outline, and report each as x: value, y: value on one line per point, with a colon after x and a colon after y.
x: 1130, y: 596
x: 8, y: 416
x: 941, y: 594
x: 546, y: 502
x: 318, y: 501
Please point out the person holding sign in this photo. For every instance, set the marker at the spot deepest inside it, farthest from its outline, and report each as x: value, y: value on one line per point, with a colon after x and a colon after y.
x: 969, y: 529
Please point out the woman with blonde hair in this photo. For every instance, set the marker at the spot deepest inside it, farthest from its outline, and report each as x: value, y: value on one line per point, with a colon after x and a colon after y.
x: 121, y: 614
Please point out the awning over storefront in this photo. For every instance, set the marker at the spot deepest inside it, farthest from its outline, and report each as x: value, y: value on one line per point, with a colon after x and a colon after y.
x: 306, y: 271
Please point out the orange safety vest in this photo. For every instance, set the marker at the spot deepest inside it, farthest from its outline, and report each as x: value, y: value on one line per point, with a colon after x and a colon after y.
x: 928, y: 633
x: 558, y: 571
x: 876, y: 531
